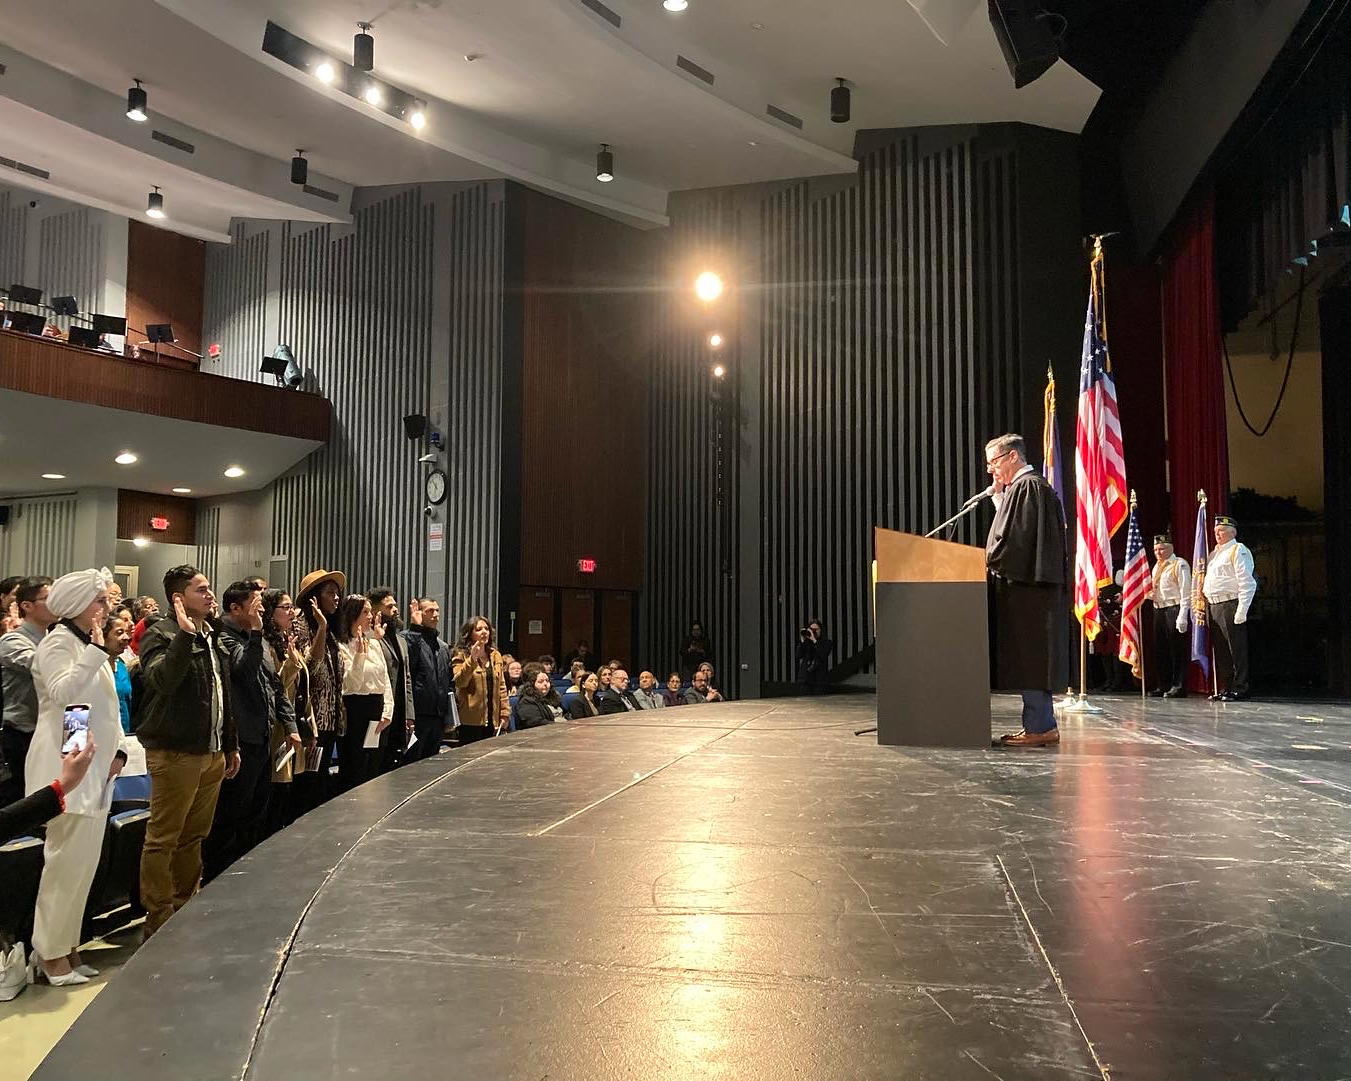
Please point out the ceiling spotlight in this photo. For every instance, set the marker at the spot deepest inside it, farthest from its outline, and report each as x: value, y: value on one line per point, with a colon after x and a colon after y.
x: 53, y: 476
x: 300, y: 169
x: 234, y: 471
x: 136, y: 103
x: 675, y: 5
x: 363, y: 49
x: 708, y: 286
x: 839, y: 103
x: 154, y: 206
x: 605, y: 164
x: 418, y: 118
x: 126, y: 458
x: 373, y: 94
x: 140, y: 542
x: 325, y: 72
x: 182, y: 491
x: 719, y: 371
x: 715, y: 340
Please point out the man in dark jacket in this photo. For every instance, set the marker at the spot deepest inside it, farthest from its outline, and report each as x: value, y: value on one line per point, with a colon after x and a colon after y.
x: 429, y: 672
x: 1025, y: 555
x: 257, y: 702
x: 395, y: 647
x: 190, y: 740
x: 617, y: 698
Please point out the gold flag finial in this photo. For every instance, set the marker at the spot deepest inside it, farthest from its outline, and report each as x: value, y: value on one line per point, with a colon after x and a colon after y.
x: 1132, y: 499
x: 1201, y: 495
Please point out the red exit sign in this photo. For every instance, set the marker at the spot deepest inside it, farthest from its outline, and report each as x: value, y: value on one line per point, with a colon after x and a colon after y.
x: 586, y: 566
x: 159, y: 524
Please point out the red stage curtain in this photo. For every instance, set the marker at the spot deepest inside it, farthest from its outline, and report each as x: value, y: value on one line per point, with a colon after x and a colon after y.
x: 1198, y: 443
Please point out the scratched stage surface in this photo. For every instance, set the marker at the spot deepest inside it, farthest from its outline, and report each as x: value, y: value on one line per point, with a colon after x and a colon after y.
x: 750, y: 891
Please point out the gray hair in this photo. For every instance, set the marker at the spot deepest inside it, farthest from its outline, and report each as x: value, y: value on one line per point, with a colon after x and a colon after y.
x: 1007, y: 442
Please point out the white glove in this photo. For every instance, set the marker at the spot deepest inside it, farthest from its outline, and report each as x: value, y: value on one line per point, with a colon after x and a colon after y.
x: 1181, y: 626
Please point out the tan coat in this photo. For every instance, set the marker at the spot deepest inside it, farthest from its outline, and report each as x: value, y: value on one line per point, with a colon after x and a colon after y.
x: 292, y: 672
x: 473, y: 694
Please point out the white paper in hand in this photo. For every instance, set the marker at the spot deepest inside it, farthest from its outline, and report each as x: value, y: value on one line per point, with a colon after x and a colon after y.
x: 372, y: 736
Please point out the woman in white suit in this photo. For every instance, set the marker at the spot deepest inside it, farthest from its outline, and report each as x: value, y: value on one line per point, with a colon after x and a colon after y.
x: 71, y: 668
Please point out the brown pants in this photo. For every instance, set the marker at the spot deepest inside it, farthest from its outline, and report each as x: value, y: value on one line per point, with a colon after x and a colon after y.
x: 183, y: 791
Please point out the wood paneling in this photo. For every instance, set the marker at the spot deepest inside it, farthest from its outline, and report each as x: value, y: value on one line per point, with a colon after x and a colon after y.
x: 535, y: 604
x: 135, y: 509
x: 616, y: 630
x: 58, y: 370
x: 166, y: 275
x: 578, y: 619
x: 587, y: 318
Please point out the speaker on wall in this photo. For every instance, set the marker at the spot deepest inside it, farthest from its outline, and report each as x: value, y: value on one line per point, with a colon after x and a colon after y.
x: 1023, y: 30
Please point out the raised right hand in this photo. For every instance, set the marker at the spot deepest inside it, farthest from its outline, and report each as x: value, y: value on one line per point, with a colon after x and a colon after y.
x: 181, y: 614
x: 415, y: 613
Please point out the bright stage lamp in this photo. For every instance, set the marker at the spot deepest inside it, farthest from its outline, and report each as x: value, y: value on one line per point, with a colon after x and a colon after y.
x: 719, y: 371
x: 708, y: 286
x: 373, y: 95
x: 715, y: 340
x: 325, y: 73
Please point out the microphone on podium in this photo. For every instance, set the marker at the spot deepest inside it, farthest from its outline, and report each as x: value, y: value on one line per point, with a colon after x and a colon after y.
x: 967, y: 507
x: 978, y: 497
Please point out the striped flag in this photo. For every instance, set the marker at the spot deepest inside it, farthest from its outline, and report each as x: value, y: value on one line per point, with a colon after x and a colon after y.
x: 1099, y: 463
x: 1050, y: 440
x: 1199, y: 616
x: 1135, y: 584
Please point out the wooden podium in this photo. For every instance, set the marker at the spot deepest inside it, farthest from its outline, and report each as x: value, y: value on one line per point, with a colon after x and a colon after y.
x: 931, y: 613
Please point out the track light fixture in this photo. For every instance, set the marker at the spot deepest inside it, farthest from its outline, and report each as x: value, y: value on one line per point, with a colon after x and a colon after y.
x: 300, y: 168
x: 605, y: 164
x: 839, y: 103
x: 418, y: 117
x: 136, y: 102
x: 154, y: 205
x: 363, y: 49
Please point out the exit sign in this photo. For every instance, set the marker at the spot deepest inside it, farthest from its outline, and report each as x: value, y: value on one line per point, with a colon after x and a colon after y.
x: 159, y: 524
x: 586, y: 566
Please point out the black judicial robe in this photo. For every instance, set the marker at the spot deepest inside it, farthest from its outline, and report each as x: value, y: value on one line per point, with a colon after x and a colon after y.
x: 1029, y: 622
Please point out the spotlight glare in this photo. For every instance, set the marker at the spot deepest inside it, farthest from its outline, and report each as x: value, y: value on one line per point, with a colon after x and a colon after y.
x: 234, y: 471
x: 719, y: 371
x: 325, y: 73
x: 53, y: 476
x: 708, y: 286
x: 140, y: 542
x: 418, y: 119
x: 675, y: 5
x: 715, y: 340
x: 126, y: 458
x: 182, y: 491
x: 373, y: 95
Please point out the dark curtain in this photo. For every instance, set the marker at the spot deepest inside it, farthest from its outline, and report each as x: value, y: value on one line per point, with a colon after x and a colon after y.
x: 1288, y: 188
x: 1335, y: 325
x: 1198, y: 445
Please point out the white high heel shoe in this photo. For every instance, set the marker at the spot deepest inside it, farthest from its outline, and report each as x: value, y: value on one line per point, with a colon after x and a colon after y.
x: 37, y: 974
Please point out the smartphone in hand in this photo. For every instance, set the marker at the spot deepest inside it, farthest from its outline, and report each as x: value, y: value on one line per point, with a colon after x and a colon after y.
x: 75, y: 728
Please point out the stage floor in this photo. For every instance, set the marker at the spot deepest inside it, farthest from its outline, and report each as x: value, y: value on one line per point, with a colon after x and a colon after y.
x: 749, y: 891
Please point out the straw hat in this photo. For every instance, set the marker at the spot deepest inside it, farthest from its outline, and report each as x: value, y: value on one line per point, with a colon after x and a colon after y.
x: 315, y: 579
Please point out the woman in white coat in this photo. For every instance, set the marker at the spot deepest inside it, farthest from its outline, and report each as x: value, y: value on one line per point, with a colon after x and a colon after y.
x: 71, y: 668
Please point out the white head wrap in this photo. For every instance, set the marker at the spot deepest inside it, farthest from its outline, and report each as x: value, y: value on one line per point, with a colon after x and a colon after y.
x: 71, y: 593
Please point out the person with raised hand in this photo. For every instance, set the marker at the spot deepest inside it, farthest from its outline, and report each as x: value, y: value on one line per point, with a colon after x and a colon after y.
x: 429, y: 667
x: 367, y: 696
x: 316, y: 603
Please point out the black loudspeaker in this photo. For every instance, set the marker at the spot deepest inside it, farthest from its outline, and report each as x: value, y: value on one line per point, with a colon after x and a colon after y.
x: 1022, y: 29
x: 415, y: 425
x: 4, y: 515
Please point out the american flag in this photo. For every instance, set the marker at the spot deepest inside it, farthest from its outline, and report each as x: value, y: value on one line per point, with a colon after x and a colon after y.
x: 1099, y: 463
x: 1050, y: 440
x: 1199, y: 616
x: 1134, y: 585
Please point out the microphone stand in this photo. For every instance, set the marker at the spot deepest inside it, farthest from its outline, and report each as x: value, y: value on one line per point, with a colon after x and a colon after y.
x: 971, y: 504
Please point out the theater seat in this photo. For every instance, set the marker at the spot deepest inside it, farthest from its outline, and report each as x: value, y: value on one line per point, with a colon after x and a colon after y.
x: 20, y: 872
x: 117, y: 880
x: 130, y: 793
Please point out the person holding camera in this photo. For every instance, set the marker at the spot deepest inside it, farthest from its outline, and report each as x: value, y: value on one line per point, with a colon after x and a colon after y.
x: 812, y: 664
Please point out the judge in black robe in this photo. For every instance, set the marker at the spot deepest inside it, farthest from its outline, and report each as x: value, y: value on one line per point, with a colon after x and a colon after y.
x: 1025, y: 556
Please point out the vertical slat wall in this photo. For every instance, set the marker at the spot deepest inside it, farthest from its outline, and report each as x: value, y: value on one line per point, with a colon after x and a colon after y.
x: 473, y: 430
x: 70, y: 258
x: 208, y: 545
x: 234, y: 310
x: 40, y: 536
x: 888, y: 350
x: 13, y: 235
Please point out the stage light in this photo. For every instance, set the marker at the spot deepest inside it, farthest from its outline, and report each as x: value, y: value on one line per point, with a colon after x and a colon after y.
x: 325, y: 72
x: 719, y: 371
x: 373, y: 94
x: 182, y: 491
x: 708, y: 286
x: 363, y: 49
x: 715, y: 340
x: 154, y: 205
x: 282, y: 366
x: 675, y: 5
x: 136, y: 103
x: 418, y: 118
x: 839, y: 103
x: 53, y: 476
x: 233, y: 472
x: 605, y: 164
x: 1025, y: 38
x: 300, y: 168
x: 126, y: 458
x: 140, y: 542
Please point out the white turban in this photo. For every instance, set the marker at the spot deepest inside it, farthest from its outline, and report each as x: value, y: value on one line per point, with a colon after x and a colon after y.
x: 72, y: 593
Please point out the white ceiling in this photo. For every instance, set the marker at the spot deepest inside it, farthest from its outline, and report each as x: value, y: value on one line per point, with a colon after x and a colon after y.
x: 50, y: 435
x: 551, y: 81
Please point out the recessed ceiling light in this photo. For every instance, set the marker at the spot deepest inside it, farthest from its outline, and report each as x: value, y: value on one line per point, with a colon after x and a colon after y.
x: 182, y: 491
x: 752, y: 143
x: 53, y: 476
x: 715, y: 340
x: 234, y: 471
x: 325, y: 72
x: 675, y: 5
x: 719, y: 371
x: 373, y: 95
x: 757, y: 26
x: 126, y: 458
x: 140, y: 542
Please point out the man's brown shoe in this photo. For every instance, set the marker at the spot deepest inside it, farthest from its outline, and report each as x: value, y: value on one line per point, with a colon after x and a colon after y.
x: 1031, y: 739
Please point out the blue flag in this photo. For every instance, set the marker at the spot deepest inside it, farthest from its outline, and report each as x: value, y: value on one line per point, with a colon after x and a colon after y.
x: 1200, y: 619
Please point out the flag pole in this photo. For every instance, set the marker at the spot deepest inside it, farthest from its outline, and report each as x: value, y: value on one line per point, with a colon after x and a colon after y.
x: 1141, y: 609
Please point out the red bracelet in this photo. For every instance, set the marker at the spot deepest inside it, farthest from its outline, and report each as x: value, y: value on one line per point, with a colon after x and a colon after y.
x: 60, y: 794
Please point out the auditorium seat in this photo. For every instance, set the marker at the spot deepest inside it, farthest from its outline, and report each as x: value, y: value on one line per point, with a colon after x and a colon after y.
x: 117, y: 880
x: 130, y: 793
x: 20, y: 872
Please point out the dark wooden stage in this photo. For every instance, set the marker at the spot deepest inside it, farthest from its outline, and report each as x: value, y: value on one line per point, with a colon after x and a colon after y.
x: 750, y: 891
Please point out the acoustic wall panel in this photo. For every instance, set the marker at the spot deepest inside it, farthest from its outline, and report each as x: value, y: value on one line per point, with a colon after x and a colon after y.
x: 40, y: 536
x: 13, y: 235
x: 70, y: 257
x: 235, y: 307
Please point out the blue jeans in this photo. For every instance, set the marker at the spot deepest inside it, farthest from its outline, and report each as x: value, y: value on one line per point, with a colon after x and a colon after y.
x: 1038, y: 714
